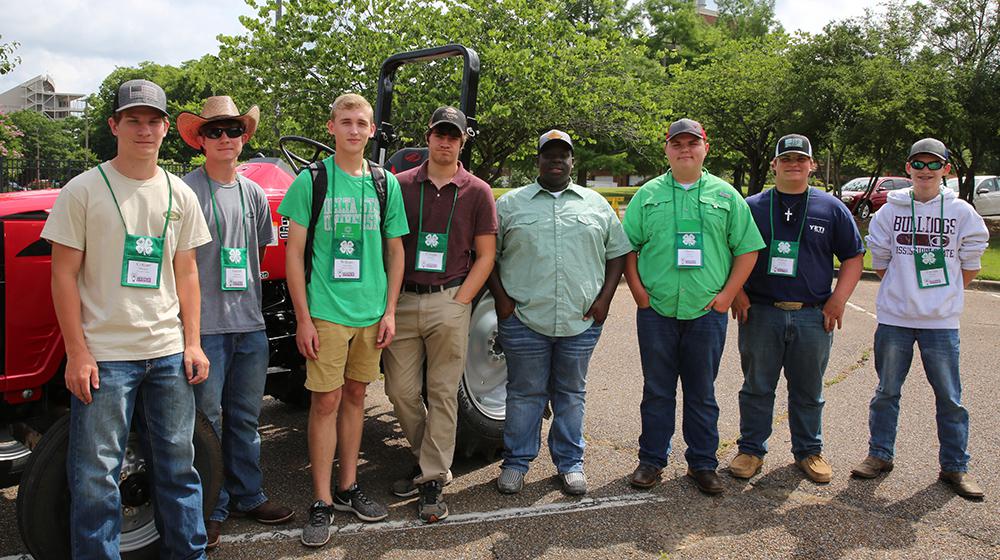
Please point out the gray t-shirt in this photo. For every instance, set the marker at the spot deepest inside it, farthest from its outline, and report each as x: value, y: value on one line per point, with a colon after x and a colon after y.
x: 231, y: 311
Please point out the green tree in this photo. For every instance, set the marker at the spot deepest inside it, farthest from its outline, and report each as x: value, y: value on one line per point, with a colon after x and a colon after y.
x: 7, y: 59
x: 541, y: 69
x: 743, y: 101
x: 48, y: 139
x: 747, y: 19
x: 965, y: 34
x: 10, y: 138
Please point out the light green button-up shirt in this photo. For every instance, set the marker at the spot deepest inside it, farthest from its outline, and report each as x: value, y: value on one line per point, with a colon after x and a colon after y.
x: 552, y: 251
x: 728, y: 229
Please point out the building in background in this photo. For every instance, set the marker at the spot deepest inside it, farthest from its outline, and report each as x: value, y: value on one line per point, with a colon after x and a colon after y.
x: 39, y: 94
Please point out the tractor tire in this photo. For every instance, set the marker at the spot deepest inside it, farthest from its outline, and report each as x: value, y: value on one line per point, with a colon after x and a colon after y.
x: 43, y: 497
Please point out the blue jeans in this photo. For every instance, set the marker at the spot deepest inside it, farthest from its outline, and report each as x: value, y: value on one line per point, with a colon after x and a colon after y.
x: 689, y: 350
x: 163, y: 402
x: 770, y: 340
x: 539, y: 369
x: 231, y: 398
x: 939, y: 354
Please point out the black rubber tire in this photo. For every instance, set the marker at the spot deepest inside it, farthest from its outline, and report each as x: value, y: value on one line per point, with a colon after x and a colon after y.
x: 865, y: 210
x: 43, y: 497
x: 477, y: 434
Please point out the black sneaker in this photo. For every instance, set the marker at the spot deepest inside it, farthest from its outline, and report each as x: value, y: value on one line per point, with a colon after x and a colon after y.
x: 317, y: 530
x: 405, y: 487
x: 432, y: 507
x: 353, y: 499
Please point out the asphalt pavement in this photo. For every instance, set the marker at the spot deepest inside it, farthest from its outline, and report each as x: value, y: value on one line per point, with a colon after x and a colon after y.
x: 777, y: 514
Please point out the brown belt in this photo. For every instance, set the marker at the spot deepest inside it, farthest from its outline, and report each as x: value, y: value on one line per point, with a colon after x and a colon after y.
x: 794, y: 305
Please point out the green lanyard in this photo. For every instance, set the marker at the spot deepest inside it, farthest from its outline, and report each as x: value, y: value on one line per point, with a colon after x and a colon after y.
x: 347, y: 242
x: 688, y: 238
x: 783, y: 256
x: 233, y: 261
x: 931, y: 268
x: 432, y: 248
x: 142, y: 255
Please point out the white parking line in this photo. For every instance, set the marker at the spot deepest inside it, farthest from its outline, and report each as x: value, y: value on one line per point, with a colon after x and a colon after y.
x: 586, y: 504
x: 861, y: 309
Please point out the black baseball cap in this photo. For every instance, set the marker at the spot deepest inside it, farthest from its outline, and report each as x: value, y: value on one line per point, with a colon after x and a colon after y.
x: 140, y: 93
x: 449, y: 115
x: 686, y: 126
x: 555, y: 136
x: 793, y: 144
x: 931, y: 146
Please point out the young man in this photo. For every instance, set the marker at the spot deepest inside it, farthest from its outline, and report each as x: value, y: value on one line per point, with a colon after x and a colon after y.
x: 125, y: 289
x: 449, y: 255
x: 560, y: 255
x: 232, y: 330
x: 926, y: 245
x: 346, y: 306
x: 696, y: 244
x: 787, y: 311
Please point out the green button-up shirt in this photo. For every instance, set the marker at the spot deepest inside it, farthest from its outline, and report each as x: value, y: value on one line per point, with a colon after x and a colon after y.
x: 728, y: 229
x: 552, y: 251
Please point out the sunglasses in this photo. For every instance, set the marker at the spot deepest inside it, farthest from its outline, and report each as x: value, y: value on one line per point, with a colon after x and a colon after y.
x: 216, y: 132
x: 933, y: 166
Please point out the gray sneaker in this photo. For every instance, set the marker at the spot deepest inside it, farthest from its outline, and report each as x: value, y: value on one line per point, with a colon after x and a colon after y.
x: 317, y: 530
x: 510, y: 481
x: 574, y: 483
x: 405, y: 487
x: 354, y: 500
x: 432, y: 507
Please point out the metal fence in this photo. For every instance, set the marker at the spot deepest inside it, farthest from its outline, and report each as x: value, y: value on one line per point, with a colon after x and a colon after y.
x: 25, y: 174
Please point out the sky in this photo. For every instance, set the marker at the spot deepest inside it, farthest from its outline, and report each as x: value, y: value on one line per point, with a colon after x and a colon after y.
x: 79, y: 42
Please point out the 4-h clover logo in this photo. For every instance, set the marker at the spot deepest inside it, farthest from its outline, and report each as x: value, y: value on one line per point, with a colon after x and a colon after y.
x: 431, y: 240
x: 784, y: 247
x: 347, y: 247
x: 144, y: 246
x: 928, y: 258
x: 234, y: 256
x: 688, y: 239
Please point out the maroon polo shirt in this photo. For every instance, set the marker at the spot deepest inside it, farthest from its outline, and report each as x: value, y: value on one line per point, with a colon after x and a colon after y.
x: 475, y: 214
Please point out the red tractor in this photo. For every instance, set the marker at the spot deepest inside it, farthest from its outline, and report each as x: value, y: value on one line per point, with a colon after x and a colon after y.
x: 34, y: 426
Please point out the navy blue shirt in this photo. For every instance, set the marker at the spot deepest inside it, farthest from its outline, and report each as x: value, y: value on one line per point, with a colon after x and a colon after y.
x: 829, y: 230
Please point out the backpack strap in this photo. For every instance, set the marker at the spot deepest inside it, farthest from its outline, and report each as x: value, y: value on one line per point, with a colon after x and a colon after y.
x: 381, y: 191
x: 319, y: 186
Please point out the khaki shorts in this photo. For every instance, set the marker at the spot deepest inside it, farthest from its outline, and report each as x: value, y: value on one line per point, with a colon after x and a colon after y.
x: 344, y: 352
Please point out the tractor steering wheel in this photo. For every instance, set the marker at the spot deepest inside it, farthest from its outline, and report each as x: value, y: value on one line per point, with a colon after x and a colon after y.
x: 294, y: 158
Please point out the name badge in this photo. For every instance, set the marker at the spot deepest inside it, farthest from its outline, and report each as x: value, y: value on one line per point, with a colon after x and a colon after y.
x: 236, y: 279
x: 783, y: 258
x: 347, y: 260
x: 430, y: 261
x: 689, y: 249
x: 142, y: 274
x: 932, y: 271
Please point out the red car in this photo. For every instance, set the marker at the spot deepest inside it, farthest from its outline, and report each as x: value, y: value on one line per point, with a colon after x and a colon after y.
x: 862, y: 201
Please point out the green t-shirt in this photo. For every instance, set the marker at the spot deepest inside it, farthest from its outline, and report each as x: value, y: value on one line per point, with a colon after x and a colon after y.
x: 728, y: 229
x: 353, y: 304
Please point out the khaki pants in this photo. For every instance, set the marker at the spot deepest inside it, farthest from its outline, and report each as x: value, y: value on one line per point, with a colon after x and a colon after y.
x: 435, y: 327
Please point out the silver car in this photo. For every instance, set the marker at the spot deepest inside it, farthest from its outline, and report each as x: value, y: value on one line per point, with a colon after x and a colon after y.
x: 985, y: 195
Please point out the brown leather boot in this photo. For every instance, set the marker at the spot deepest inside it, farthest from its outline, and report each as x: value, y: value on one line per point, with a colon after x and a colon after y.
x: 963, y: 484
x: 645, y: 476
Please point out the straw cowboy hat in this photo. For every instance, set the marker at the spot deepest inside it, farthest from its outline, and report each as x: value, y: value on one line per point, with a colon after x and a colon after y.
x: 217, y: 108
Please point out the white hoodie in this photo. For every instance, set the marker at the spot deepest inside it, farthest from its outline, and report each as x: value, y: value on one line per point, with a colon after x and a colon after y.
x: 901, y: 302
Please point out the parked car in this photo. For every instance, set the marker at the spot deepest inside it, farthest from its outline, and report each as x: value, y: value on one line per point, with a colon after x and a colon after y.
x: 861, y: 201
x: 985, y: 193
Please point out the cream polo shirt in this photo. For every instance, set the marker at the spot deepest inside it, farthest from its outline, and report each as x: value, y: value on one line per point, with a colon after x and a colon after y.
x: 121, y: 323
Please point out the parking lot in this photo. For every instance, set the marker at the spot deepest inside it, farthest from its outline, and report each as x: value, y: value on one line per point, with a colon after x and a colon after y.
x: 778, y: 514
